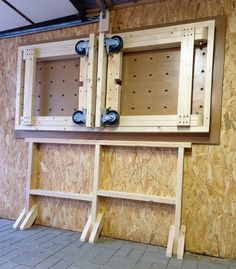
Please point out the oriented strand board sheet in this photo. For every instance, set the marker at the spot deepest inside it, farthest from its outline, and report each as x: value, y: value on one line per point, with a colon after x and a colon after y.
x: 137, y: 221
x: 139, y: 170
x: 62, y: 213
x: 67, y: 168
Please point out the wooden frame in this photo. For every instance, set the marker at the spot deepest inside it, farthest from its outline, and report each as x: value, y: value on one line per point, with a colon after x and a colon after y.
x: 186, y: 36
x: 94, y: 223
x: 28, y: 56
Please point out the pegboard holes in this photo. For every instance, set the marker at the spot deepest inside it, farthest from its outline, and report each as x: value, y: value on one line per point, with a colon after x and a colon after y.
x: 165, y: 107
x: 51, y: 81
x: 38, y: 109
x: 151, y: 58
x: 40, y: 68
x: 134, y: 76
x: 167, y: 57
x: 63, y: 95
x: 132, y: 108
x: 38, y: 96
x: 51, y: 67
x: 75, y: 94
x: 39, y: 82
x: 167, y: 74
x: 149, y: 91
x: 204, y: 53
x: 75, y: 109
x: 150, y: 75
x: 202, y: 71
x: 62, y: 109
x: 201, y: 89
x: 135, y: 60
x: 76, y: 79
x: 65, y: 66
x: 148, y: 107
x: 50, y: 109
x: 166, y: 90
x: 133, y: 92
x: 63, y: 80
x: 50, y: 95
x: 76, y: 65
x: 200, y: 106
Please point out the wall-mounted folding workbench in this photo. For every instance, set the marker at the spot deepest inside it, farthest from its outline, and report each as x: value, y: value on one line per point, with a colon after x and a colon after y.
x: 159, y: 80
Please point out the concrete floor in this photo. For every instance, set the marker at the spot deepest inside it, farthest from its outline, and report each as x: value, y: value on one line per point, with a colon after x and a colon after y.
x: 42, y: 247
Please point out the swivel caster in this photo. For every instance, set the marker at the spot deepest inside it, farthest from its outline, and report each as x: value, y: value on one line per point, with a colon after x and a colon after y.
x: 82, y: 47
x: 114, y: 44
x: 110, y: 117
x: 79, y: 117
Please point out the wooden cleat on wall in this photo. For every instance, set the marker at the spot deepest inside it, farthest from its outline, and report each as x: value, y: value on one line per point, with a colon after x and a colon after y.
x: 30, y: 218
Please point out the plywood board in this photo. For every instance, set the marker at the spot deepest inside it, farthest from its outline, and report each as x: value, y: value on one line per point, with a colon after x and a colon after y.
x: 57, y: 87
x: 141, y: 170
x: 67, y: 168
x: 151, y: 227
x: 62, y: 213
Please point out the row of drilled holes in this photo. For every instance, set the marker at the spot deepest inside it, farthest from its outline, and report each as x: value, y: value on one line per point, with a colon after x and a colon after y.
x: 64, y: 66
x: 165, y: 107
x: 51, y: 81
x: 62, y: 109
x: 166, y: 90
x: 63, y: 95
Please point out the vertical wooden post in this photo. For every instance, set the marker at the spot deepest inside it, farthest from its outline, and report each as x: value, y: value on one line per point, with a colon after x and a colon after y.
x: 114, y: 77
x: 83, y: 75
x: 19, y: 88
x: 179, y: 182
x: 91, y: 83
x: 29, y: 91
x: 186, y: 77
x: 101, y: 80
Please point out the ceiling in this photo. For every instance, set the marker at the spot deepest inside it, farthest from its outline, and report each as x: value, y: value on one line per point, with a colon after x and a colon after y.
x: 27, y: 14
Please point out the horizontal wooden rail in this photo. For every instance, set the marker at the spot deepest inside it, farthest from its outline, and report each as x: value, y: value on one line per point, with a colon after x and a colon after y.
x: 60, y: 194
x: 138, y: 197
x: 111, y: 143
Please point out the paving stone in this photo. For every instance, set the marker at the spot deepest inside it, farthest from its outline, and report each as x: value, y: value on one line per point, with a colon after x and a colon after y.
x: 11, y: 255
x: 121, y: 262
x: 48, y: 263
x: 136, y: 254
x: 86, y: 266
x: 210, y: 265
x: 190, y: 264
x: 22, y: 267
x: 63, y: 264
x: 124, y: 251
x: 158, y: 266
x: 143, y: 265
x: 175, y: 263
x: 135, y: 245
x: 154, y: 258
x: 9, y: 265
x: 30, y: 259
x: 101, y: 259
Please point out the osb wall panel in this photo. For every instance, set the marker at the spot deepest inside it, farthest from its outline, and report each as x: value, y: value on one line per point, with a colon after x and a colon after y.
x: 137, y: 221
x: 209, y: 206
x: 63, y: 213
x: 66, y: 168
x: 142, y: 170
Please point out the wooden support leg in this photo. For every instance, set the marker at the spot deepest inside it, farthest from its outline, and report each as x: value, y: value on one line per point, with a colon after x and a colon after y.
x: 87, y: 230
x: 30, y: 218
x: 96, y: 228
x: 181, y: 242
x: 20, y: 219
x: 170, y: 243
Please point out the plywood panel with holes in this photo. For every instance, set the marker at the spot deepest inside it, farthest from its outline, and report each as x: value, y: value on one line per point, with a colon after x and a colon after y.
x: 141, y: 170
x: 57, y: 87
x: 137, y: 221
x: 150, y: 82
x: 67, y: 168
x: 62, y: 213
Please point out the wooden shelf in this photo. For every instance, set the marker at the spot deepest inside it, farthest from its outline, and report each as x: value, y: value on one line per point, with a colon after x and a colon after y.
x: 138, y: 197
x: 60, y: 194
